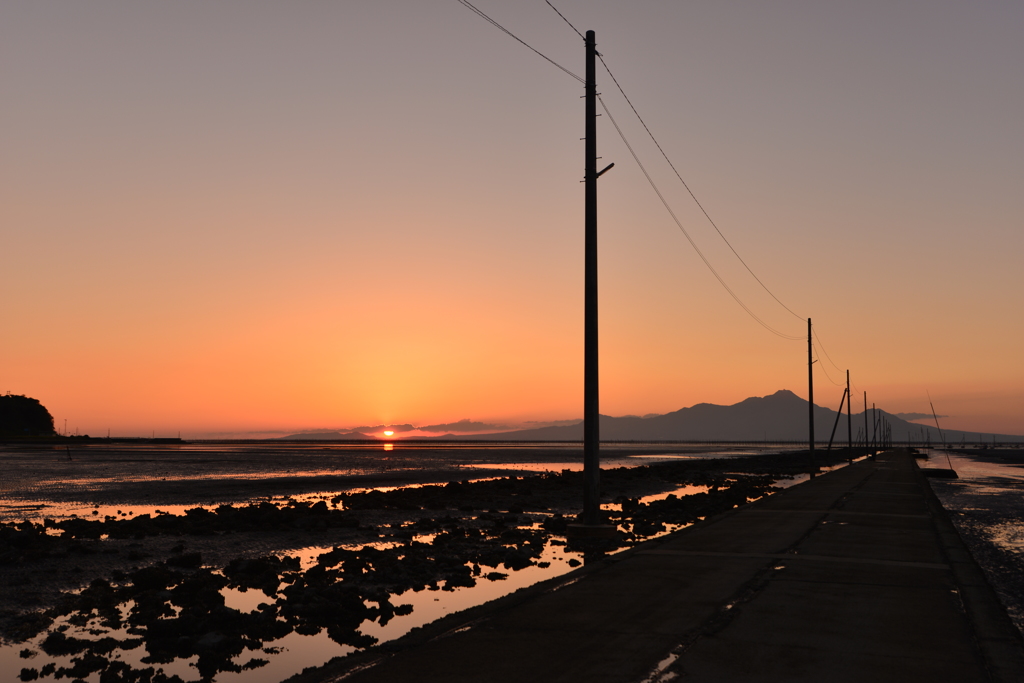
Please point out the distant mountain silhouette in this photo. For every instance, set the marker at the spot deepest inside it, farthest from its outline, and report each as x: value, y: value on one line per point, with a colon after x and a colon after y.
x: 781, y: 416
x: 462, y: 426
x: 397, y: 429
x: 325, y: 436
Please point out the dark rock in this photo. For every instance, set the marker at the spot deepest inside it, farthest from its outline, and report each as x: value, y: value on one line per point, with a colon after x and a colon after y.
x: 186, y: 561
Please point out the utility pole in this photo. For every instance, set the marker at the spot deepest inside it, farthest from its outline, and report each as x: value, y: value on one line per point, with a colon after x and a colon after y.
x: 874, y: 426
x: 865, y: 422
x: 849, y: 415
x: 835, y: 425
x: 810, y: 390
x: 591, y: 414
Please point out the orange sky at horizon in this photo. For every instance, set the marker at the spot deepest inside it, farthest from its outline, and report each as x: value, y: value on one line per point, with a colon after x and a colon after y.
x: 251, y: 218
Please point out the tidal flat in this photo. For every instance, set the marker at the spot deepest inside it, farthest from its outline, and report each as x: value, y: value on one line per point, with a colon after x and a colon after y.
x: 222, y: 562
x: 986, y: 503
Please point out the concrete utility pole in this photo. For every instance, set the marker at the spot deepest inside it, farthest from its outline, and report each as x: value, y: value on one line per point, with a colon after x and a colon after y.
x: 810, y: 389
x: 591, y: 414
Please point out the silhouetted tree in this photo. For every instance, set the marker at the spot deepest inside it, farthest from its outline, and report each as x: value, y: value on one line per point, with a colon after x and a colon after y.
x: 24, y: 416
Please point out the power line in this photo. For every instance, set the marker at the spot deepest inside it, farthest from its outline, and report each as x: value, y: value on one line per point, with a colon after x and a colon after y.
x: 693, y: 196
x: 826, y: 351
x: 492, y: 22
x: 564, y: 19
x: 485, y: 17
x: 700, y: 206
x: 822, y: 366
x: 679, y: 224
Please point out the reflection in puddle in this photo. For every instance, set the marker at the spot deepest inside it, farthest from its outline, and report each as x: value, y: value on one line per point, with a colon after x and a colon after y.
x: 528, y: 466
x: 38, y: 510
x: 299, y: 651
x: 679, y: 492
x: 665, y: 495
x: 207, y: 624
x: 174, y: 476
x: 429, y: 606
x: 58, y: 511
x: 700, y: 456
x: 607, y: 462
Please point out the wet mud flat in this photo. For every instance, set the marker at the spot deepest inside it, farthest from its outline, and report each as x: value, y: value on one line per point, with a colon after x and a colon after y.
x: 986, y: 504
x: 112, y: 472
x: 212, y: 591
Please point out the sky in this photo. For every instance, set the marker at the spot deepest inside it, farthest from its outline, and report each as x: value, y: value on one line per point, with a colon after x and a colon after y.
x: 259, y: 217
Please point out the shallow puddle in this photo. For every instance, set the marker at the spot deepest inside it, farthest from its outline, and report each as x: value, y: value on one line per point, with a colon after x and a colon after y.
x: 607, y: 461
x: 292, y: 653
x: 646, y: 500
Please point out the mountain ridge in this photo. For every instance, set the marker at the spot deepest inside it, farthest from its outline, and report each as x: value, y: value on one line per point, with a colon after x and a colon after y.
x: 781, y: 416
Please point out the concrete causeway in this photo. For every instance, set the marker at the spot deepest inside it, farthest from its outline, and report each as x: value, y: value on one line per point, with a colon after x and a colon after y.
x: 855, y: 575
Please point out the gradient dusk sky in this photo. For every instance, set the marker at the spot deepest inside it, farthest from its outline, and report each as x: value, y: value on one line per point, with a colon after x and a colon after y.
x: 244, y: 216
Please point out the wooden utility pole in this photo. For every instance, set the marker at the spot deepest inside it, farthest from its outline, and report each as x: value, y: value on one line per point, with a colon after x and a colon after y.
x: 591, y: 416
x: 874, y: 426
x: 810, y: 390
x: 865, y: 422
x: 849, y: 416
x: 874, y: 431
x: 835, y: 425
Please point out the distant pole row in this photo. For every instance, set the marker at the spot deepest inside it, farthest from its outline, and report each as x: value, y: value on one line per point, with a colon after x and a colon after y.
x: 881, y: 435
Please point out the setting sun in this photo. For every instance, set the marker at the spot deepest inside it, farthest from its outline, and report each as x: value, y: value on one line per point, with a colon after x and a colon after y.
x: 389, y: 433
